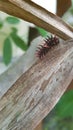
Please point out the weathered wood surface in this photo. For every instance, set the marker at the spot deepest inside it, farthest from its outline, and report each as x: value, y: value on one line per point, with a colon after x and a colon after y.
x: 31, y: 12
x: 37, y: 91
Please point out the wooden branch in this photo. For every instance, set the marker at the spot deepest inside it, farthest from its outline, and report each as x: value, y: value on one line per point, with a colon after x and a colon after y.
x: 31, y: 12
x: 37, y: 91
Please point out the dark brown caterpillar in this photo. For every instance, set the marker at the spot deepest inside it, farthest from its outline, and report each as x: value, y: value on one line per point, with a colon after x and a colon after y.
x: 49, y: 42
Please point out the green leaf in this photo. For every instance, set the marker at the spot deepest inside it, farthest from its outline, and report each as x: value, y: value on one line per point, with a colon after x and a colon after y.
x: 71, y: 10
x: 65, y: 106
x: 7, y: 51
x: 42, y: 31
x: 14, y: 30
x: 12, y: 20
x: 1, y: 24
x: 18, y: 41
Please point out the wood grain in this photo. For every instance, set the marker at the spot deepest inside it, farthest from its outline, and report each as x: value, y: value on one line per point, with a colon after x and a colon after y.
x: 33, y: 13
x: 37, y: 91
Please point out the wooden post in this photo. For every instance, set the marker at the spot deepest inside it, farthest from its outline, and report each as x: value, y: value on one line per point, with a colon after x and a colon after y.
x: 63, y: 6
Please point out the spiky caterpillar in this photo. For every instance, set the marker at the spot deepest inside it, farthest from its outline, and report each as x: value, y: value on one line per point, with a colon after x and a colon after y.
x: 49, y: 42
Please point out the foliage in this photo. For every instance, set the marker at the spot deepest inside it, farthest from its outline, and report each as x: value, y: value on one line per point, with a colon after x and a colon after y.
x: 7, y: 51
x: 42, y: 32
x: 61, y: 117
x: 12, y: 20
x: 11, y: 38
x: 65, y: 106
x: 1, y: 24
x: 18, y: 41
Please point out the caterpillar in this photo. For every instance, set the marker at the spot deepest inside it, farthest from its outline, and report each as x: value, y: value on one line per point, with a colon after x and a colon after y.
x: 49, y: 42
